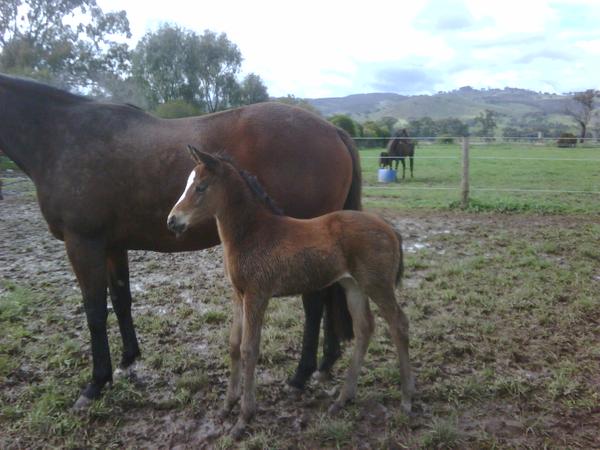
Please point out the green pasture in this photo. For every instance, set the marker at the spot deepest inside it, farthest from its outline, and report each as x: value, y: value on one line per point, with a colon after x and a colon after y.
x: 572, y: 176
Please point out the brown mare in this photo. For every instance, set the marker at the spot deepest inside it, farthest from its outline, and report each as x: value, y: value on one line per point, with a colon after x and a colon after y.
x: 269, y: 255
x: 107, y: 175
x: 399, y: 148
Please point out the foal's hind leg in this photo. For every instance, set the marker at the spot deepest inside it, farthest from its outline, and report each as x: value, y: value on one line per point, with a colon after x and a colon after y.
x: 363, y: 324
x: 120, y: 295
x: 398, y: 326
x: 235, y: 341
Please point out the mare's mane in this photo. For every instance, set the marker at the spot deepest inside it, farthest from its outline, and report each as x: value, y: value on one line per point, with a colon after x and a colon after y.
x: 255, y: 187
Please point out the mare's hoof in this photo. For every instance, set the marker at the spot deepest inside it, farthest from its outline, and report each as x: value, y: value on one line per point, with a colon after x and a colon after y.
x: 296, y: 384
x: 82, y: 404
x: 322, y: 376
x: 238, y: 430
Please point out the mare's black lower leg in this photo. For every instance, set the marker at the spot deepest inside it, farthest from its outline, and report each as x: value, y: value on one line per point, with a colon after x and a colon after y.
x: 403, y: 167
x: 335, y: 308
x: 313, y: 312
x: 88, y: 258
x: 411, y: 166
x: 120, y: 295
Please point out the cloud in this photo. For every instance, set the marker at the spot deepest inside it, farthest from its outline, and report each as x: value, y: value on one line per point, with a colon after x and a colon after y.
x: 554, y: 55
x: 404, y: 80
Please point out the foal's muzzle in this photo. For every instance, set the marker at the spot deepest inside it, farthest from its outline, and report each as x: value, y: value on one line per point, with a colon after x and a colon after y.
x: 175, y: 225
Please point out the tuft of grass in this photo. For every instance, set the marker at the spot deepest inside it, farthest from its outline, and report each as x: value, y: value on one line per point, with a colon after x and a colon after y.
x: 336, y: 431
x: 442, y: 434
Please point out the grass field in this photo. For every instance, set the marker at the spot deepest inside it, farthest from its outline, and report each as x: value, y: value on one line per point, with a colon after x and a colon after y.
x: 438, y: 166
x: 504, y: 308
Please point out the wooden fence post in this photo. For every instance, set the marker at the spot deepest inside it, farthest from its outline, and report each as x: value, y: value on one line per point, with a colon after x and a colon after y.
x: 464, y: 184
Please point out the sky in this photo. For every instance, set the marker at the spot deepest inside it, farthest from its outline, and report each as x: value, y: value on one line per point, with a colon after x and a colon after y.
x: 331, y: 48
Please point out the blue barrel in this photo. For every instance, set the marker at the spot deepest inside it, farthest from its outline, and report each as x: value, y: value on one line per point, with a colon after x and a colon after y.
x: 386, y: 176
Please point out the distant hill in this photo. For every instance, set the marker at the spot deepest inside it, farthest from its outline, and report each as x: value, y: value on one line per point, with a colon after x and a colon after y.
x: 464, y: 103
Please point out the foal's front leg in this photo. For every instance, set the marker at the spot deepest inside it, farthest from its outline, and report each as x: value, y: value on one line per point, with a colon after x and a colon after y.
x: 235, y: 341
x: 253, y: 311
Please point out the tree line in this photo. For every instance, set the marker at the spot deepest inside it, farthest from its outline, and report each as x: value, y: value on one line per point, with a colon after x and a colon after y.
x: 75, y: 45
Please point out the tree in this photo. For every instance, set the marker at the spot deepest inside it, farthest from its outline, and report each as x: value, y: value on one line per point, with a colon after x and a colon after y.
x: 252, y: 90
x: 164, y: 64
x: 345, y: 123
x: 299, y: 102
x: 66, y: 42
x: 220, y: 61
x: 581, y: 109
x: 177, y: 64
x: 487, y: 120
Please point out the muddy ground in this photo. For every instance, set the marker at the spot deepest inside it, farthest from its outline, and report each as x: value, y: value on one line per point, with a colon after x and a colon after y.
x: 506, y: 344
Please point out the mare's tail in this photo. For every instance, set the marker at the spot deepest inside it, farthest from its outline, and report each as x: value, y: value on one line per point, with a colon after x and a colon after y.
x: 336, y: 306
x: 400, y: 270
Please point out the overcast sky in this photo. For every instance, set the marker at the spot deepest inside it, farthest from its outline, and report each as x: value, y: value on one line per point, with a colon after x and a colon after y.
x: 330, y: 48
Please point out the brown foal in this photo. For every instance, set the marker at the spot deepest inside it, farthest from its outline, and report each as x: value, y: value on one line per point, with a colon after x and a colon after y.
x: 269, y: 255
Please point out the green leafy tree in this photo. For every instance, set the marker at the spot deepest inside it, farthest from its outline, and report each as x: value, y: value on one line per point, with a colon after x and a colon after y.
x: 67, y: 42
x: 220, y: 61
x: 345, y: 123
x: 164, y: 66
x: 252, y: 90
x: 487, y: 121
x: 372, y: 131
x: 423, y: 127
x: 299, y: 102
x: 177, y: 64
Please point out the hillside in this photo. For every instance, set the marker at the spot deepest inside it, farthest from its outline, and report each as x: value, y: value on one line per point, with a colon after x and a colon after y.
x: 463, y: 103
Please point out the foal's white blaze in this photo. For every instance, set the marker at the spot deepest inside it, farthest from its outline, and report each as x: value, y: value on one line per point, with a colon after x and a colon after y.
x: 190, y: 181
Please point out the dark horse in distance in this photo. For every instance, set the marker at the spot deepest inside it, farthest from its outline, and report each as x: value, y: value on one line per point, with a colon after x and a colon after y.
x: 106, y: 176
x: 400, y: 147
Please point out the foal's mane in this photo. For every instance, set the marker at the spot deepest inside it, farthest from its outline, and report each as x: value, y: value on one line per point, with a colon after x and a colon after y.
x: 255, y: 187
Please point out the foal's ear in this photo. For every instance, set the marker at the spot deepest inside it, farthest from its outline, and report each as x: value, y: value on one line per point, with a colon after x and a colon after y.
x: 209, y: 161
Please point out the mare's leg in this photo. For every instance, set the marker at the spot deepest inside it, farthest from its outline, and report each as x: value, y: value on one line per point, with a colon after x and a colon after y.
x: 313, y: 312
x: 362, y: 321
x: 88, y: 258
x: 120, y: 295
x: 403, y: 167
x: 331, y: 340
x: 398, y: 326
x: 235, y: 342
x: 254, y: 311
x: 411, y: 166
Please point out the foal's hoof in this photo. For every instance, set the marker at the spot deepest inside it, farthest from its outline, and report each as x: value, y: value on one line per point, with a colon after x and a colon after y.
x: 124, y: 372
x: 238, y: 430
x: 224, y: 412
x: 335, y: 408
x: 82, y: 404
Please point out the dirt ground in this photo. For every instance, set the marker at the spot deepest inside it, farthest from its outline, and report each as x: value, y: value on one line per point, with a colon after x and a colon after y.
x: 502, y: 360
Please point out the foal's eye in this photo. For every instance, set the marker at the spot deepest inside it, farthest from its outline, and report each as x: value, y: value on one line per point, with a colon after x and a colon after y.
x: 201, y: 188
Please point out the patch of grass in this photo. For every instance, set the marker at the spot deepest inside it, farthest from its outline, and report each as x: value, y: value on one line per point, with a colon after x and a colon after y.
x: 442, y: 434
x: 214, y: 317
x: 328, y: 431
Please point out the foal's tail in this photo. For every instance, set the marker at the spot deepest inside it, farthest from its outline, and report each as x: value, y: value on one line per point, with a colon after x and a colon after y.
x: 400, y: 270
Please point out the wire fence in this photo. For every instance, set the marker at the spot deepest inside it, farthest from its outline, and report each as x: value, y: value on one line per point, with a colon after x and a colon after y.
x: 532, y: 166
